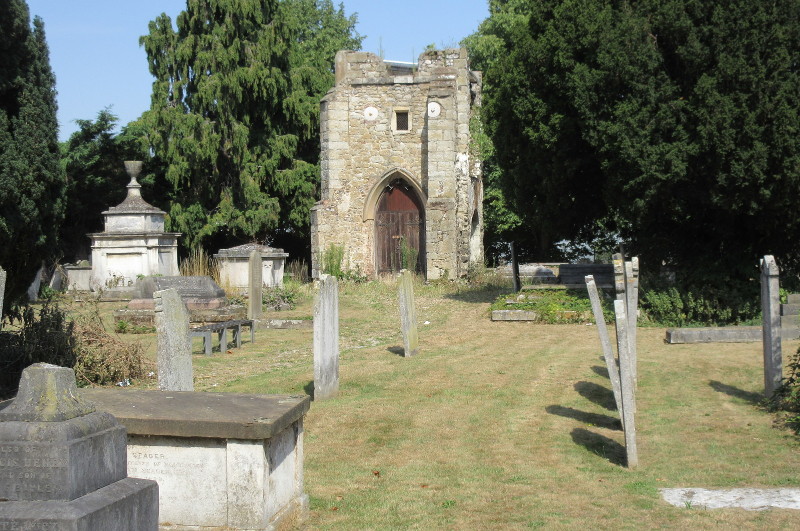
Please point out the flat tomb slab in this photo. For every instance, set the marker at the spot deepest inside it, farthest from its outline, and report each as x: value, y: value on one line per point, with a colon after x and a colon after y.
x: 724, y: 334
x: 191, y: 414
x: 747, y: 499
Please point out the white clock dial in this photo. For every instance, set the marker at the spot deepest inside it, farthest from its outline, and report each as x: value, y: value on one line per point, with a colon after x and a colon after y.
x: 434, y: 109
x: 370, y: 113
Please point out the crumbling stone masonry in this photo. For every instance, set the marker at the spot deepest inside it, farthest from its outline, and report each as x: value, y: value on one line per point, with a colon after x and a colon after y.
x: 398, y: 171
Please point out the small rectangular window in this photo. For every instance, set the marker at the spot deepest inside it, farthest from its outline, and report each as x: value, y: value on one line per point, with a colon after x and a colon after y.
x: 401, y: 119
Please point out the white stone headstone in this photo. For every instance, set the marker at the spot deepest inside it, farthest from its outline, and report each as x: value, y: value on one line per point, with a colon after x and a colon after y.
x: 255, y: 288
x: 771, y: 314
x: 326, y: 338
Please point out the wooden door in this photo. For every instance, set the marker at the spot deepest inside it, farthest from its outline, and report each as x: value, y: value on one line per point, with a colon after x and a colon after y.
x: 399, y: 229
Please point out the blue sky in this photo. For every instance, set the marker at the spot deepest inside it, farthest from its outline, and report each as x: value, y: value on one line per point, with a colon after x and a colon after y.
x: 95, y: 53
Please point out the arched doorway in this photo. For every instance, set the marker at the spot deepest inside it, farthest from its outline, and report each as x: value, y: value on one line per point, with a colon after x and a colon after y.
x: 399, y: 229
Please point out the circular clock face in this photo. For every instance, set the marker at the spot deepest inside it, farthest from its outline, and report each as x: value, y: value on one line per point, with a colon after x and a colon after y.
x: 434, y: 109
x: 370, y: 113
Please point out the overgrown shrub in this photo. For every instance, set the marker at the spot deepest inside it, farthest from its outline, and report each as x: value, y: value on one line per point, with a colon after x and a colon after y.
x: 199, y: 263
x: 46, y: 337
x: 787, y: 396
x: 297, y: 270
x: 672, y: 307
x: 332, y: 259
x: 553, y: 305
x: 280, y: 297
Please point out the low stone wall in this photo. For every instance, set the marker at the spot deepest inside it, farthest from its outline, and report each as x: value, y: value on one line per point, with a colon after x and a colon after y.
x: 222, y: 460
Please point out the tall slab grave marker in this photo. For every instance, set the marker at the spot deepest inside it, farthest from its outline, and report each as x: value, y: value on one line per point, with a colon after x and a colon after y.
x: 771, y: 335
x: 605, y: 341
x: 63, y: 464
x: 627, y: 385
x: 255, y: 289
x: 2, y: 293
x: 173, y: 343
x: 326, y: 338
x: 408, y: 313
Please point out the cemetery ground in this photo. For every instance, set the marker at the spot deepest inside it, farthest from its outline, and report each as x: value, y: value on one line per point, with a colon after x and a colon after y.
x: 509, y: 425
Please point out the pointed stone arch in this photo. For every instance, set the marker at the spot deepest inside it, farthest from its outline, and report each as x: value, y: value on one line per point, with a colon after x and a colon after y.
x: 397, y: 208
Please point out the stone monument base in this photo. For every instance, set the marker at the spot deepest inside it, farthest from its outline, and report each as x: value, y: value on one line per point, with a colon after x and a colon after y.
x: 129, y: 504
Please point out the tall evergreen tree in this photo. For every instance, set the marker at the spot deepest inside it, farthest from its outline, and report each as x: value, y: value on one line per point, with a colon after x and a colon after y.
x: 235, y: 113
x: 673, y: 124
x: 31, y: 179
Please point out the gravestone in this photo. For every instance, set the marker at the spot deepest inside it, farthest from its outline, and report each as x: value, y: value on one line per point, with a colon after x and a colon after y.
x: 771, y: 335
x: 326, y: 338
x: 605, y: 341
x: 173, y: 343
x: 2, y: 293
x: 197, y: 292
x: 255, y: 288
x: 408, y: 313
x: 63, y: 464
x: 627, y: 384
x: 514, y: 268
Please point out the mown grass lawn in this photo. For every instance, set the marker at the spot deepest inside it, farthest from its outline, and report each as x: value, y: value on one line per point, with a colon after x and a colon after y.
x: 511, y: 425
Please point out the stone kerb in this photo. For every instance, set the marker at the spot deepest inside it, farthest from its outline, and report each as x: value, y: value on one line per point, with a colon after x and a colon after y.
x: 174, y: 345
x: 408, y: 313
x: 63, y: 464
x: 326, y: 338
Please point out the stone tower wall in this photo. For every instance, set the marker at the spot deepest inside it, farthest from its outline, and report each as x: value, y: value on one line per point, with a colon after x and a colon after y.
x: 362, y: 151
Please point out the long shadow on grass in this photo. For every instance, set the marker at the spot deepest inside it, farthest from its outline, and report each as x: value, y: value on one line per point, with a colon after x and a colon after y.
x: 600, y: 371
x: 747, y: 396
x: 479, y: 294
x: 600, y: 445
x: 598, y: 394
x: 594, y: 419
x: 400, y: 351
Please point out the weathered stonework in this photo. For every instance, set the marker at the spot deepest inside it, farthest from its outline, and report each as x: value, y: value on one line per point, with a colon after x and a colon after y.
x: 365, y: 150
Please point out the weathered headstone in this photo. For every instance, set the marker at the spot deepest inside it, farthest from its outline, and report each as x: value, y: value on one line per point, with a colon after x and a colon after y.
x: 627, y: 384
x: 326, y: 338
x: 605, y: 341
x: 631, y: 305
x: 63, y: 465
x: 2, y: 293
x: 197, y: 292
x: 173, y: 343
x: 771, y: 336
x: 255, y: 289
x: 514, y: 268
x: 619, y: 275
x: 408, y: 313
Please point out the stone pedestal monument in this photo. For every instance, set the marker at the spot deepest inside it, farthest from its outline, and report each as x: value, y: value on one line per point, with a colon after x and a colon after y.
x: 134, y: 242
x: 63, y: 465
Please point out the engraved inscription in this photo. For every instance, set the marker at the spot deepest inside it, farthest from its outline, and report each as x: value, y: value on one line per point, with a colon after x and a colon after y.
x: 27, y: 525
x: 27, y: 470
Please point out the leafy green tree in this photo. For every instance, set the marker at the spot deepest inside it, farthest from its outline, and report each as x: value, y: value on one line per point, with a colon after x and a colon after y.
x: 31, y: 180
x: 673, y: 124
x: 235, y: 113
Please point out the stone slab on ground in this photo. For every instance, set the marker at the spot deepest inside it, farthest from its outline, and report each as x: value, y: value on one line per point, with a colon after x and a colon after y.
x: 197, y: 292
x: 725, y: 334
x: 530, y: 315
x: 227, y: 415
x: 747, y: 499
x: 287, y: 323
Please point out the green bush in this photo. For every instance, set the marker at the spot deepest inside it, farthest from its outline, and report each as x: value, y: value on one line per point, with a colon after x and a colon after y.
x: 787, y: 396
x: 280, y: 297
x: 332, y: 260
x: 671, y: 307
x: 554, y: 305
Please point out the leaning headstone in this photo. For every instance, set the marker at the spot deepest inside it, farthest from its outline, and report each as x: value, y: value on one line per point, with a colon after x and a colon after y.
x: 173, y: 342
x: 619, y: 275
x: 326, y: 338
x: 408, y: 313
x: 627, y: 385
x: 605, y: 341
x: 2, y: 293
x: 631, y: 305
x: 255, y: 289
x: 771, y: 336
x: 63, y: 465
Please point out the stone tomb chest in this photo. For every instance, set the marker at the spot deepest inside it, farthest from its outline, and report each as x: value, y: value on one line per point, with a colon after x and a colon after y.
x: 222, y: 460
x: 234, y: 265
x: 197, y: 292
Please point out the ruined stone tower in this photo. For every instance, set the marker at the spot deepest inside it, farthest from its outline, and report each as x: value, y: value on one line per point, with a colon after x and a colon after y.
x: 400, y: 183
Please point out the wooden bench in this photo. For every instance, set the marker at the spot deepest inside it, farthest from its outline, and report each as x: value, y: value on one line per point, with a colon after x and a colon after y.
x: 222, y: 329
